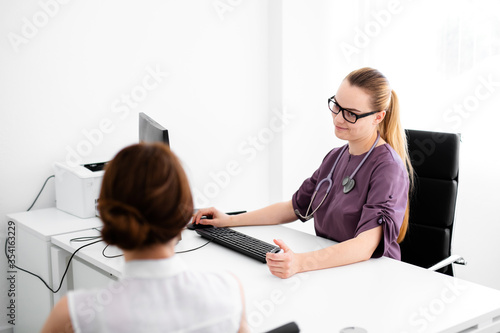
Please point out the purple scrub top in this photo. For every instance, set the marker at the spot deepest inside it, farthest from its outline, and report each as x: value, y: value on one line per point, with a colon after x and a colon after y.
x: 379, y: 198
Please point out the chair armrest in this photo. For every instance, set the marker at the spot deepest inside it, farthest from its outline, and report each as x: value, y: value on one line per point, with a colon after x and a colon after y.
x: 453, y: 259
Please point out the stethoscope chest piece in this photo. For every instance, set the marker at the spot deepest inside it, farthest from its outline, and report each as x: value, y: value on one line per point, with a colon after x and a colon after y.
x: 348, y: 184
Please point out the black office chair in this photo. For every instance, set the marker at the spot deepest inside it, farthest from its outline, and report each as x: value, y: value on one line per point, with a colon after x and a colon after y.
x: 435, y: 160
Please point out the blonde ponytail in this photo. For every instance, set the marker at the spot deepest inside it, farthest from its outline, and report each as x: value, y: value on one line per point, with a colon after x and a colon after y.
x: 384, y: 98
x: 393, y: 133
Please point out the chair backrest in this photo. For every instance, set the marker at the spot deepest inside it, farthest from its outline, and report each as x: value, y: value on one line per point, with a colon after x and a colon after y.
x: 435, y: 159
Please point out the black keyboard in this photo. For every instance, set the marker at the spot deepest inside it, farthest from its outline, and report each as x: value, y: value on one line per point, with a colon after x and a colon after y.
x: 237, y: 241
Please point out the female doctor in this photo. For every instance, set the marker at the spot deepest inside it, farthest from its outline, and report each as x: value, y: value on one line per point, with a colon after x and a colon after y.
x: 358, y: 196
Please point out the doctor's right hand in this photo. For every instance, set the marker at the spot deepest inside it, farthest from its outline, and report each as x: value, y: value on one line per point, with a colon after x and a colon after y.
x: 214, y: 217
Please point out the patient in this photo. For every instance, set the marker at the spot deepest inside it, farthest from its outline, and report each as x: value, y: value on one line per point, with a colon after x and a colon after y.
x: 145, y: 203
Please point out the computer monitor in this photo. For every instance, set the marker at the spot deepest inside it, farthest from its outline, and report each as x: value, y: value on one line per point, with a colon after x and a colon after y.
x: 151, y: 131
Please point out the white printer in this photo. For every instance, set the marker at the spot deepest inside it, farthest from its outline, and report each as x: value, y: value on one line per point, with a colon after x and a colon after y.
x: 78, y: 187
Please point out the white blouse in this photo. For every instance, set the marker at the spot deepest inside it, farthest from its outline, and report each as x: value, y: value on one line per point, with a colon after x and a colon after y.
x: 159, y: 296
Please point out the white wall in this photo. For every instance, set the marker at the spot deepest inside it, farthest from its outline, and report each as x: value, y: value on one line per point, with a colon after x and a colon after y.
x: 77, y: 68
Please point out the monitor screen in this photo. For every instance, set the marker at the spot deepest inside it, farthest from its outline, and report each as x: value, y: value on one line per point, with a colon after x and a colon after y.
x: 151, y: 131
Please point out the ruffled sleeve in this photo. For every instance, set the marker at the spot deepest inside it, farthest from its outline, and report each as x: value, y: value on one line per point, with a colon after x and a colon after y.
x: 386, y: 206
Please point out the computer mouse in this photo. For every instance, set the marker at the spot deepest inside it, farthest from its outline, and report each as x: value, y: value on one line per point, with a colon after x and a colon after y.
x: 194, y: 226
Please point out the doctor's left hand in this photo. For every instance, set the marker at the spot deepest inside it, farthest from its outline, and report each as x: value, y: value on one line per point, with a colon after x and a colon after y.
x: 284, y: 264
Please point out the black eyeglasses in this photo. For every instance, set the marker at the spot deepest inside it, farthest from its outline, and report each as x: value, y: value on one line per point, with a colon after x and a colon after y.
x: 349, y: 116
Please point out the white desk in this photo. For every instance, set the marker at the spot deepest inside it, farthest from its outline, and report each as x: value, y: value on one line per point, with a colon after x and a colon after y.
x: 379, y: 295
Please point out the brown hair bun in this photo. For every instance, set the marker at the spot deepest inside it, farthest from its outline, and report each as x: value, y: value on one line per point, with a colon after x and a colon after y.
x: 145, y: 197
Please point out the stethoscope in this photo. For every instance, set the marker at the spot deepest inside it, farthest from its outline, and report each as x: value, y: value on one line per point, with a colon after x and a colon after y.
x: 348, y: 182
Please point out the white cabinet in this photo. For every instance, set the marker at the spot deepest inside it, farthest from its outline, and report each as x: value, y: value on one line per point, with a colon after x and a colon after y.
x: 34, y: 253
x: 87, y: 276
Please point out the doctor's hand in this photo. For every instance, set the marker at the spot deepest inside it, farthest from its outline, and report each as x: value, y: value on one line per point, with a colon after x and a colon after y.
x: 215, y: 217
x: 283, y: 264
